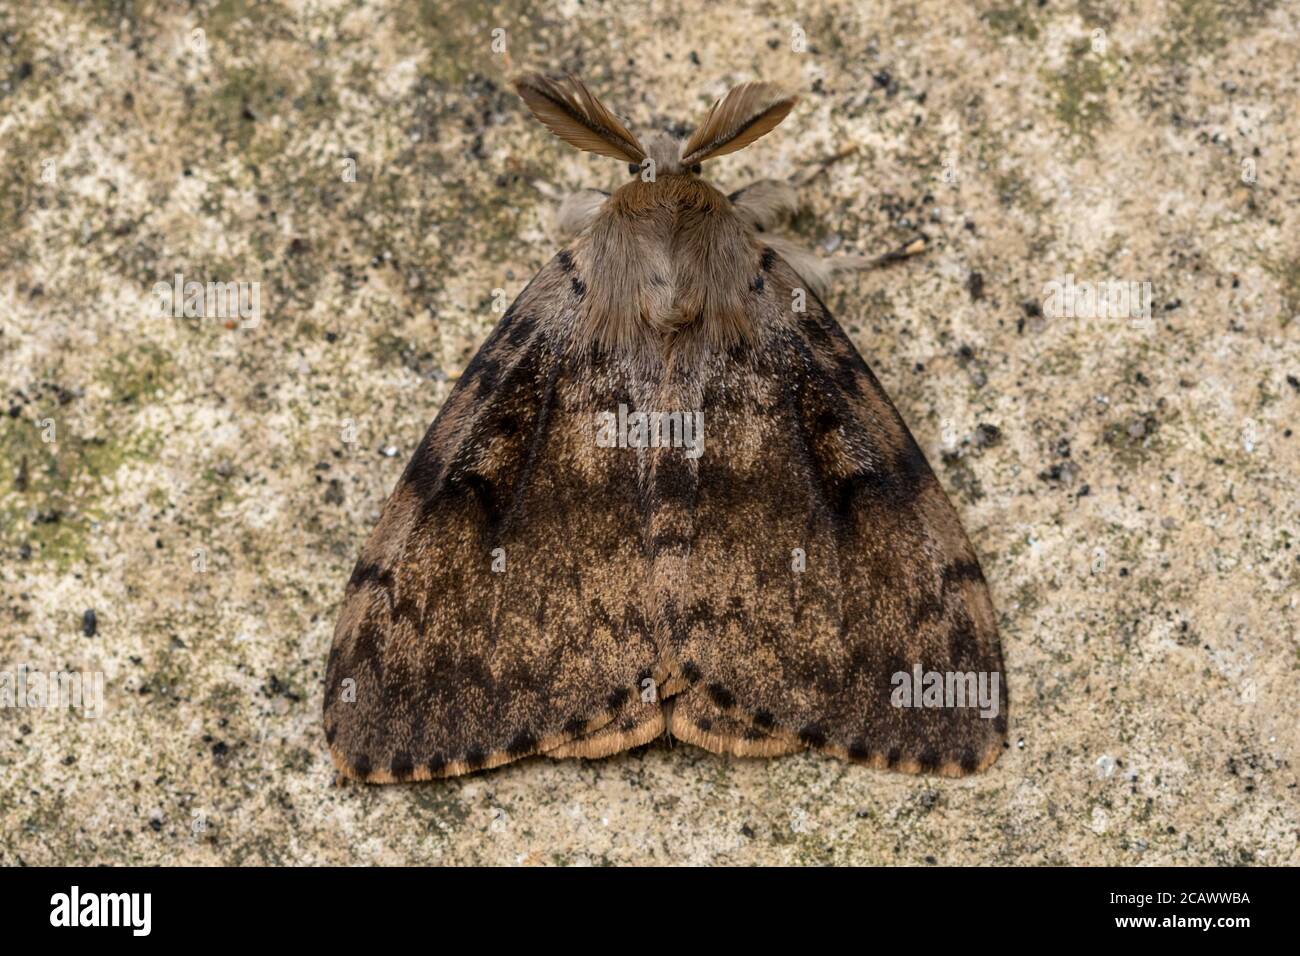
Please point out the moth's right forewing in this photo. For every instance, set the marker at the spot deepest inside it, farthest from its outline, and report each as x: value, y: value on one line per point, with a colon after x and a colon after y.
x: 829, y: 561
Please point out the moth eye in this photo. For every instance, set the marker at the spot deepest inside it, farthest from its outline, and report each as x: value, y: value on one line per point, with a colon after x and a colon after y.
x: 634, y: 168
x: 696, y: 168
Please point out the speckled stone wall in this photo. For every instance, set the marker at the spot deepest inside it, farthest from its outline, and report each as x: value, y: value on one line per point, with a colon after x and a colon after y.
x: 203, y: 484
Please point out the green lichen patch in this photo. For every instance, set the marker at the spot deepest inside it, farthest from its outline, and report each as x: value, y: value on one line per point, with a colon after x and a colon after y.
x: 1019, y: 18
x: 1082, y: 89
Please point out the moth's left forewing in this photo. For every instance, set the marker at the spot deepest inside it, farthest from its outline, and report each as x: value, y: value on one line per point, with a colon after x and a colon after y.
x: 498, y: 609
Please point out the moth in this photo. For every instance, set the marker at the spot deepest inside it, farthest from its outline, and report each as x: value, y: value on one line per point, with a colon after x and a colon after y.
x: 789, y: 576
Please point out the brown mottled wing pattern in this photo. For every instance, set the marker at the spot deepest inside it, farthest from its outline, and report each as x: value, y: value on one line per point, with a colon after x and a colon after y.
x: 498, y: 608
x: 807, y: 463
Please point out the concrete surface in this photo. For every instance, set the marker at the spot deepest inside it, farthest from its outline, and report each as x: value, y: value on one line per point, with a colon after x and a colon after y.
x: 1131, y: 486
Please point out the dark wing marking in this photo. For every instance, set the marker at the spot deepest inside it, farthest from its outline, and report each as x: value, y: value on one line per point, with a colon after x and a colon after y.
x: 454, y: 666
x: 806, y: 460
x: 695, y: 717
x: 639, y: 722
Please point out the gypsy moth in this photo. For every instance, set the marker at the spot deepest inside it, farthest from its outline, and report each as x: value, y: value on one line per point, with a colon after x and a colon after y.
x: 532, y: 590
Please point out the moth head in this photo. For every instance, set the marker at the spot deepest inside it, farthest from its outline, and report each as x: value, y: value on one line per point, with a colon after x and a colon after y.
x: 663, y: 158
x: 565, y: 106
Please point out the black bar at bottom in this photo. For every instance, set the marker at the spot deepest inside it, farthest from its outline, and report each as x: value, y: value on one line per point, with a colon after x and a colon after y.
x: 334, y: 906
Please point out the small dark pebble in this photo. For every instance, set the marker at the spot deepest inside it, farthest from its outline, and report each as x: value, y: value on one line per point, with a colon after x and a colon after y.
x: 334, y: 493
x: 89, y: 623
x: 1064, y: 472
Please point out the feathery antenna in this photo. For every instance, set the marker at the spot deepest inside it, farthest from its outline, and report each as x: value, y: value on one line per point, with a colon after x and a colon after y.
x: 565, y: 106
x: 747, y: 112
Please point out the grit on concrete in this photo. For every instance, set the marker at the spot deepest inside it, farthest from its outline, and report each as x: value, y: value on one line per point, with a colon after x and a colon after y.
x: 1130, y: 484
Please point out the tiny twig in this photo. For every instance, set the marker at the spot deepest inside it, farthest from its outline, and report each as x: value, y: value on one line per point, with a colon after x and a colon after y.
x: 804, y: 177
